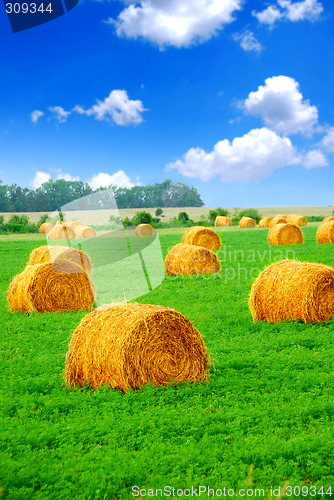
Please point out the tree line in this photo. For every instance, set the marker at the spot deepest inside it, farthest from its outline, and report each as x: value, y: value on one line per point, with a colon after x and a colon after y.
x: 53, y: 194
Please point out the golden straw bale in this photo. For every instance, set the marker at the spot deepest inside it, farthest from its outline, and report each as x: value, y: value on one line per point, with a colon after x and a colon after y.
x: 299, y: 220
x: 202, y: 237
x: 223, y: 221
x: 247, y: 222
x: 328, y: 219
x: 190, y: 259
x: 48, y: 253
x: 85, y: 232
x: 128, y: 345
x: 285, y: 234
x: 281, y: 216
x: 276, y: 221
x: 45, y: 227
x: 325, y: 233
x: 290, y: 289
x: 74, y: 224
x: 265, y: 221
x: 61, y: 231
x: 51, y: 287
x: 144, y: 230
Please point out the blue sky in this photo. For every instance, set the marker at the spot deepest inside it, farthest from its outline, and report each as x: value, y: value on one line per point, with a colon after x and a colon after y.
x: 233, y: 97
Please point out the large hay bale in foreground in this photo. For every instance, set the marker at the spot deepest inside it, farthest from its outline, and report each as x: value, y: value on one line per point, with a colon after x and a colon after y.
x: 48, y: 287
x: 289, y: 289
x: 247, y: 222
x: 202, y: 237
x: 190, y: 259
x: 299, y: 220
x: 144, y: 230
x: 277, y: 220
x: 85, y: 232
x: 328, y: 219
x: 285, y: 234
x: 128, y: 345
x: 61, y: 231
x: 265, y: 221
x: 223, y: 221
x: 45, y: 227
x: 325, y: 233
x: 48, y: 253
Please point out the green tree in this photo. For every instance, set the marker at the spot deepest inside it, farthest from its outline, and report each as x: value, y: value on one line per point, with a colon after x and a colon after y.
x: 216, y: 212
x: 183, y: 216
x: 249, y: 212
x: 142, y: 218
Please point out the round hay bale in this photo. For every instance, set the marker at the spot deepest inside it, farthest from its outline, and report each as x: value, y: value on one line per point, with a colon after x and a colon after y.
x: 74, y: 224
x: 285, y: 234
x: 85, y: 232
x: 299, y: 220
x: 275, y: 221
x: 48, y: 287
x: 144, y: 230
x: 281, y: 216
x: 61, y: 231
x: 223, y: 221
x: 328, y: 219
x: 128, y: 345
x: 265, y: 221
x: 325, y: 233
x: 202, y: 237
x: 289, y: 289
x: 45, y: 227
x: 247, y: 222
x: 190, y: 259
x: 48, y: 253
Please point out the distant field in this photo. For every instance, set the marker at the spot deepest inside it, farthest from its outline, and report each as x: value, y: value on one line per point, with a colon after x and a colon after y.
x: 193, y: 212
x: 264, y: 419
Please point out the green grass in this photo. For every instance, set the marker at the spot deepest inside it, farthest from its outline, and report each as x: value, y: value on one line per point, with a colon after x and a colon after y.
x: 269, y: 401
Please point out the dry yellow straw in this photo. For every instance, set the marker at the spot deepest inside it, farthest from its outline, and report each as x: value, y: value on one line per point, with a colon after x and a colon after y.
x: 144, y: 230
x: 223, y: 221
x: 61, y: 232
x: 265, y: 221
x: 202, y: 237
x: 190, y: 259
x: 285, y: 234
x: 247, y: 222
x: 290, y: 289
x: 128, y: 345
x: 48, y: 287
x: 85, y: 232
x: 325, y: 233
x: 48, y: 253
x: 45, y: 227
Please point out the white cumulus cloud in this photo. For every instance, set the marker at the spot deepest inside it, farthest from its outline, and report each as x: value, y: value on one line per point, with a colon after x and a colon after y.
x: 314, y: 159
x: 118, y: 107
x: 305, y: 10
x: 248, y: 41
x: 179, y: 23
x: 36, y: 115
x: 328, y: 141
x: 68, y: 177
x: 119, y: 178
x: 59, y: 113
x: 251, y: 157
x: 281, y: 106
x: 39, y: 179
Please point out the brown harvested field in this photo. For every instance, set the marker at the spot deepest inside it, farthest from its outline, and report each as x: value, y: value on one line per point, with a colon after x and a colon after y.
x: 101, y: 216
